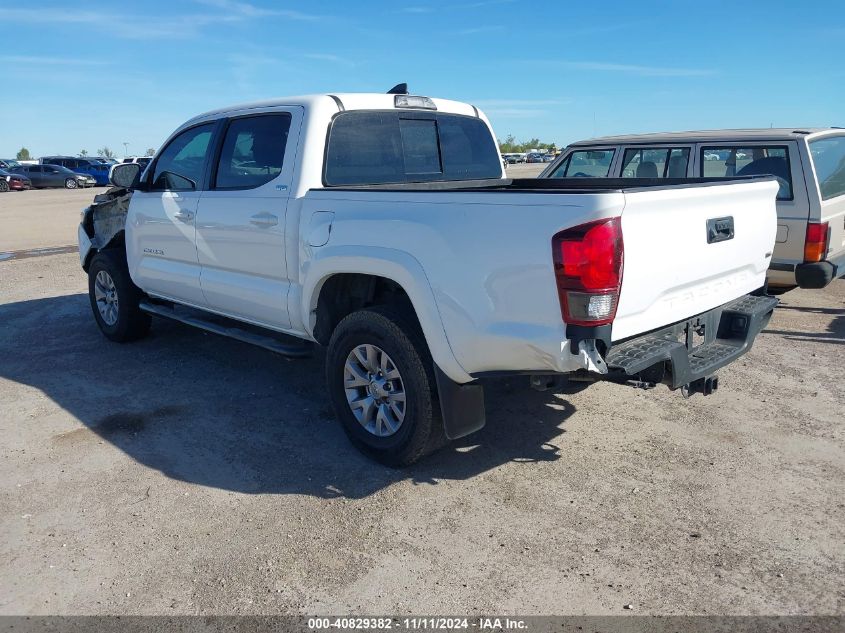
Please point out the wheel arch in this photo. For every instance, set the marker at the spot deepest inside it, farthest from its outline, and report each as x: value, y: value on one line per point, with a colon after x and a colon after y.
x: 386, y: 269
x: 118, y: 240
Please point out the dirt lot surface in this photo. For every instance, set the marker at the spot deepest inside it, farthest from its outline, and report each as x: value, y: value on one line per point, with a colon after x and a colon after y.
x: 525, y: 170
x: 190, y: 474
x: 42, y: 218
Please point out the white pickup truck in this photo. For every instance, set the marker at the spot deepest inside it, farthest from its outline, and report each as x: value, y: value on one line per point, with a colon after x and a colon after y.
x: 382, y: 227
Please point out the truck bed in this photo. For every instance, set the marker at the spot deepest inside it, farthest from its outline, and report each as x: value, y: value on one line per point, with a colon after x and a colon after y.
x: 489, y: 259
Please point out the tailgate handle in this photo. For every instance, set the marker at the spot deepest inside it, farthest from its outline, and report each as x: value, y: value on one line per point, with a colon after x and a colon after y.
x: 720, y: 229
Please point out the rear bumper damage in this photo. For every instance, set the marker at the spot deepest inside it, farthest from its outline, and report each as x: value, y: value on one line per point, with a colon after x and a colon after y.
x: 686, y: 355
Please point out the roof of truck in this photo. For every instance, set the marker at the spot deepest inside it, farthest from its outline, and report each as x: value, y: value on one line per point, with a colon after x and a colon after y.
x: 343, y: 101
x: 748, y: 134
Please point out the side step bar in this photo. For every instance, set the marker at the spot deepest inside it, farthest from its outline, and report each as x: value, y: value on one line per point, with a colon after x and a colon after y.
x: 221, y: 326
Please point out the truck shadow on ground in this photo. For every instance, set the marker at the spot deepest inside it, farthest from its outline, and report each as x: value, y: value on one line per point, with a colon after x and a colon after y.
x: 215, y: 412
x: 834, y: 332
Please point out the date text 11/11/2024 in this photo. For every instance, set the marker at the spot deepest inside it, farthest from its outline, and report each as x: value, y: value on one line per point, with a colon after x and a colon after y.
x: 417, y: 623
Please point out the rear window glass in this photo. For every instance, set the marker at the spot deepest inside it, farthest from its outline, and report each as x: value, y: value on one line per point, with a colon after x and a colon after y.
x: 661, y: 162
x: 759, y: 160
x: 368, y: 148
x: 829, y: 165
x: 589, y: 163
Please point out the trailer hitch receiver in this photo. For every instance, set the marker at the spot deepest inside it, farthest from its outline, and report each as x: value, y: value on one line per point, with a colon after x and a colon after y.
x: 705, y: 386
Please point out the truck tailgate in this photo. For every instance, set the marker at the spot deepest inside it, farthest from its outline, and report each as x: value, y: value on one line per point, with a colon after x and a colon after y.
x: 690, y: 249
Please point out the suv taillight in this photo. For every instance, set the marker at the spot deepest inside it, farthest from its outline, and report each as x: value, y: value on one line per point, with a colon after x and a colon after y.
x: 588, y: 269
x: 815, y: 246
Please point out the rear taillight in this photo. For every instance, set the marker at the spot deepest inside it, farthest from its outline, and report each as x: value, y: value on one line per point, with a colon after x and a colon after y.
x: 815, y: 246
x: 588, y: 269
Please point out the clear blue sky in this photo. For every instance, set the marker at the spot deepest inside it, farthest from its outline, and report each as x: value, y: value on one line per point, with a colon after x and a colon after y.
x: 80, y: 75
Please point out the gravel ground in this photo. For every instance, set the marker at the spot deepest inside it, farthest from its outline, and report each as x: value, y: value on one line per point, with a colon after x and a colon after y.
x: 190, y: 474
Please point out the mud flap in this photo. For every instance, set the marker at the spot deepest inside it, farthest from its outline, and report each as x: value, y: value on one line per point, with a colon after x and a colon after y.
x: 462, y: 406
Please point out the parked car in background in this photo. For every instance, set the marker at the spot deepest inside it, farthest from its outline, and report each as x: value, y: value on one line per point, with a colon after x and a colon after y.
x: 8, y: 163
x: 381, y: 226
x: 43, y: 176
x: 106, y: 161
x: 513, y: 158
x: 809, y: 165
x: 143, y: 161
x: 93, y: 167
x: 11, y: 181
x: 535, y: 158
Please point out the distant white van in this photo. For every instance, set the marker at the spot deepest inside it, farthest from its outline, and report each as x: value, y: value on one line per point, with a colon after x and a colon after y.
x: 808, y: 163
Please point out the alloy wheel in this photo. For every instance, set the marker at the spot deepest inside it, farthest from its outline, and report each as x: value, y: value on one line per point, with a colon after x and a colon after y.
x: 374, y: 390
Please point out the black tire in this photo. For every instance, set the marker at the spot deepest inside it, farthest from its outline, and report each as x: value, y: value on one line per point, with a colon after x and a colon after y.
x: 421, y: 430
x: 70, y: 183
x: 4, y: 186
x: 131, y: 323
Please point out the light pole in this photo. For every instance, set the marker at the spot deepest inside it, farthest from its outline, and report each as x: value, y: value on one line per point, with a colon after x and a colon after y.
x: 125, y: 149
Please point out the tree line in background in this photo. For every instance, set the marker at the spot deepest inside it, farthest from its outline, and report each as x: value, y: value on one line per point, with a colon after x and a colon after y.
x: 104, y: 152
x: 512, y: 146
x: 508, y: 146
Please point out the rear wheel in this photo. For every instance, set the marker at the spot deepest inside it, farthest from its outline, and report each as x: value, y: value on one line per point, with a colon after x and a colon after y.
x: 114, y: 298
x: 381, y: 385
x: 70, y: 183
x: 4, y: 186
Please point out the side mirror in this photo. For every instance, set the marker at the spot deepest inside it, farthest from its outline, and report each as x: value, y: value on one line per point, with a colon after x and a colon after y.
x: 125, y: 175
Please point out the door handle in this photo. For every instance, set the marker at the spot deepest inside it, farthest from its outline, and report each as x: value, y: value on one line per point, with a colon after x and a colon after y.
x: 264, y: 220
x: 720, y: 229
x: 184, y: 215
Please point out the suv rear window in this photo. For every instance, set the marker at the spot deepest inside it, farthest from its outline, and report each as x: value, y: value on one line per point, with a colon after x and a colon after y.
x: 757, y: 160
x: 829, y: 165
x: 369, y: 148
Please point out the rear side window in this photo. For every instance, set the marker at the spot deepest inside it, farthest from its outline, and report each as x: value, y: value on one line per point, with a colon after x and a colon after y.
x: 758, y: 160
x: 253, y: 151
x: 180, y: 166
x: 660, y: 162
x: 589, y: 163
x: 395, y: 147
x: 829, y: 165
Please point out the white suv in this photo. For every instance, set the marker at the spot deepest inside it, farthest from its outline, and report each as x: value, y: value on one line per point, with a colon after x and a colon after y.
x: 808, y: 163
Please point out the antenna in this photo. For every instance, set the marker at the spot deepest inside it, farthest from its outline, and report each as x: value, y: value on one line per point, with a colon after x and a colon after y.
x: 398, y: 89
